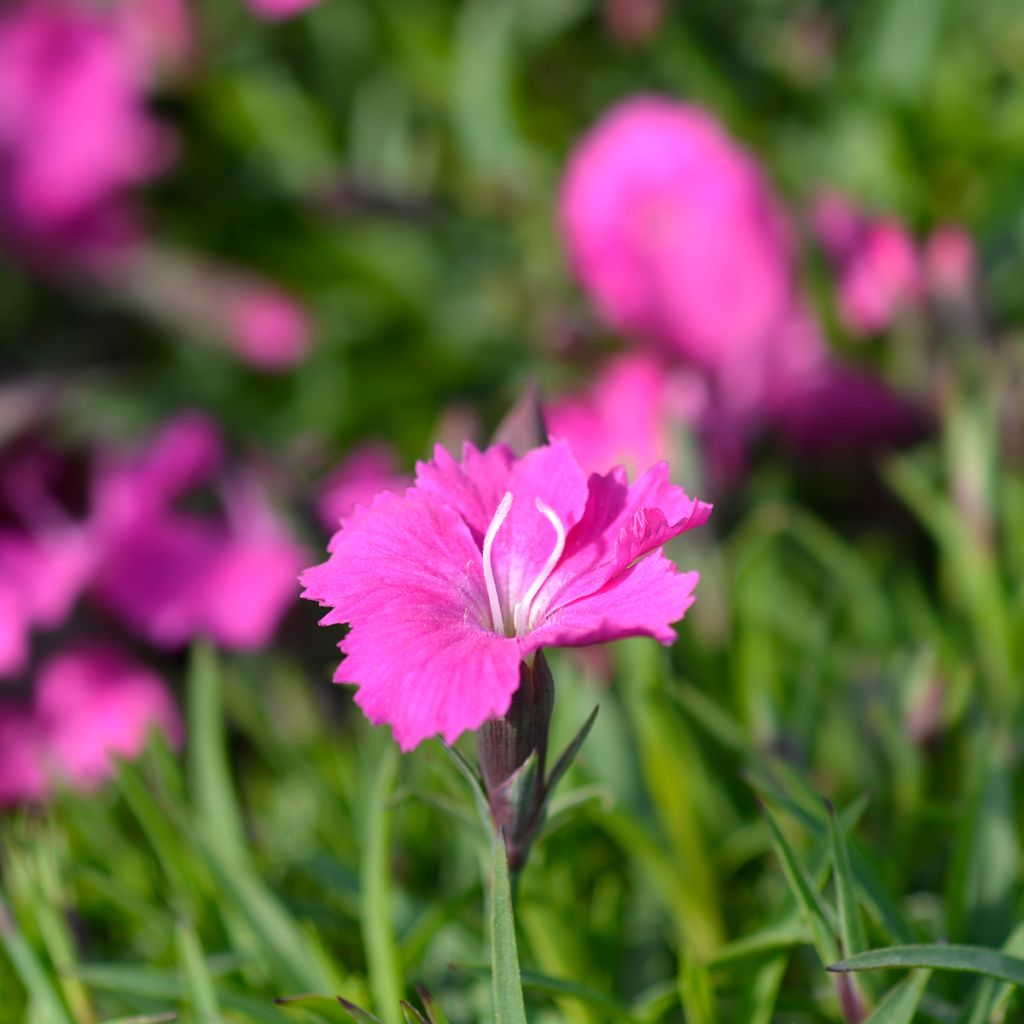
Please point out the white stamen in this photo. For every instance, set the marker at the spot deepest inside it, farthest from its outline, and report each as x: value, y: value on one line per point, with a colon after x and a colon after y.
x: 521, y: 613
x: 492, y: 590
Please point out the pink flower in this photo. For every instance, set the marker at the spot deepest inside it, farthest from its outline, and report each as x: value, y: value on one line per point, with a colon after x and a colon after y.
x: 623, y: 419
x: 876, y: 260
x: 75, y: 134
x: 367, y: 470
x: 276, y: 10
x: 22, y: 775
x: 449, y: 586
x: 171, y: 575
x: 46, y: 556
x: 950, y: 262
x: 94, y: 705
x: 673, y: 232
x: 267, y: 327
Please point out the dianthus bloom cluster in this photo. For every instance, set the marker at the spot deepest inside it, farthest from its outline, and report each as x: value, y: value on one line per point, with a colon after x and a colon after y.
x: 676, y: 236
x: 77, y: 139
x: 483, y: 562
x: 114, y: 539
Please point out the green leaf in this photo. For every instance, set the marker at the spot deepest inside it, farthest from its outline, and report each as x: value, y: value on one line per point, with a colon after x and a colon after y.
x: 435, y: 1015
x: 411, y: 1014
x: 48, y: 1005
x: 375, y: 914
x: 851, y: 928
x: 199, y: 992
x: 990, y: 994
x: 569, y: 754
x: 971, y: 959
x: 507, y: 984
x: 807, y: 897
x: 209, y: 773
x: 358, y: 1013
x: 900, y: 1003
x: 695, y: 991
x: 465, y: 769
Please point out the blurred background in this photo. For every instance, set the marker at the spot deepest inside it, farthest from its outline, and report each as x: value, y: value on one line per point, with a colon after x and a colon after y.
x: 257, y: 257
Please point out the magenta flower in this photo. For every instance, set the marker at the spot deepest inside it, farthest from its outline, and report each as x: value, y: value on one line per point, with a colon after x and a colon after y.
x: 876, y: 261
x: 46, y: 556
x: 172, y: 575
x: 481, y: 563
x: 75, y: 134
x: 267, y: 327
x: 950, y: 262
x: 95, y: 705
x: 669, y: 224
x: 365, y: 472
x: 22, y: 775
x: 623, y: 419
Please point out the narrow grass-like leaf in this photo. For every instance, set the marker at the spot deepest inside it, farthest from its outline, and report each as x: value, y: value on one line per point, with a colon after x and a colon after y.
x: 807, y: 897
x: 569, y: 754
x: 159, y: 985
x: 199, y: 991
x: 375, y: 914
x: 992, y: 995
x: 435, y: 1015
x: 901, y: 1002
x: 505, y: 978
x: 145, y: 1018
x: 970, y: 959
x: 358, y: 1013
x: 209, y: 773
x: 48, y: 1006
x: 534, y: 981
x: 768, y: 940
x: 851, y: 928
x: 696, y: 995
x: 465, y: 769
x: 411, y: 1014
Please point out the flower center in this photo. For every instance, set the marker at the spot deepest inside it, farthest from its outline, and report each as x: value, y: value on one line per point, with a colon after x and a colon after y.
x: 521, y: 609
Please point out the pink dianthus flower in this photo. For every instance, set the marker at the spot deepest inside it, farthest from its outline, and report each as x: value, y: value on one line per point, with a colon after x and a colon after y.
x: 171, y: 574
x: 675, y: 235
x: 95, y: 705
x: 365, y: 472
x: 484, y: 561
x: 75, y: 134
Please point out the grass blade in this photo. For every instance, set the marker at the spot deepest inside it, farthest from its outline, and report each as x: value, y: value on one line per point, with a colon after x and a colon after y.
x: 806, y: 895
x: 900, y: 1003
x: 48, y: 1005
x: 375, y: 914
x: 199, y: 991
x: 507, y: 984
x: 970, y: 959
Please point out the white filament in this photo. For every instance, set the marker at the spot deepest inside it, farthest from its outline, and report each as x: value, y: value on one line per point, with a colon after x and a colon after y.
x: 492, y: 590
x: 521, y: 613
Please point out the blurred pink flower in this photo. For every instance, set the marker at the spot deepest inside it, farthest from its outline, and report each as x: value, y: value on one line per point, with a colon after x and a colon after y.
x: 46, y: 557
x: 950, y: 262
x: 267, y: 327
x: 95, y: 705
x: 172, y: 575
x: 276, y: 10
x: 158, y: 32
x: 672, y: 230
x: 75, y: 134
x: 449, y: 586
x: 22, y: 775
x: 366, y: 471
x: 623, y: 419
x: 876, y: 261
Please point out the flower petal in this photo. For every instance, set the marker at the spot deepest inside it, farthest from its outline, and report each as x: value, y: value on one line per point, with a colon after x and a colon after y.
x: 473, y: 487
x: 642, y: 600
x: 420, y: 650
